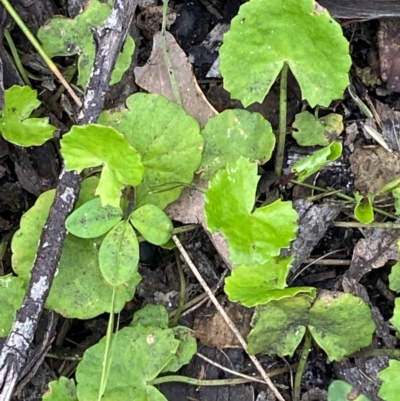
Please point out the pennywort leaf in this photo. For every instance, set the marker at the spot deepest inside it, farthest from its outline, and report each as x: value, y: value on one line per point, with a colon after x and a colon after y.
x: 266, y: 34
x: 363, y: 210
x: 15, y: 123
x: 229, y: 206
x: 390, y: 384
x: 96, y: 145
x: 306, y: 167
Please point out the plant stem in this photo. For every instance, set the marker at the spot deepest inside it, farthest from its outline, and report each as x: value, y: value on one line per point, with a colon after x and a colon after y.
x: 16, y: 58
x: 280, y: 146
x: 300, y: 367
x: 35, y: 43
x: 181, y: 304
x: 355, y: 224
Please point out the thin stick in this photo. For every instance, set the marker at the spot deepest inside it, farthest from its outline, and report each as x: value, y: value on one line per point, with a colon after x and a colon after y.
x: 35, y: 43
x: 227, y: 319
x: 355, y: 224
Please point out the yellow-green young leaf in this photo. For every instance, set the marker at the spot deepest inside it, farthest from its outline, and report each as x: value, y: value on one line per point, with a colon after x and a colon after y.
x: 279, y: 326
x: 311, y: 164
x: 15, y: 124
x: 12, y: 291
x: 396, y: 196
x: 62, y: 389
x: 390, y: 388
x: 265, y: 34
x: 232, y: 134
x: 394, y: 276
x: 364, y: 211
x: 395, y: 320
x: 260, y: 284
x: 92, y: 220
x: 94, y: 145
x: 154, y: 225
x: 119, y: 254
x: 168, y: 141
x: 67, y: 37
x: 340, y: 390
x: 341, y: 324
x: 253, y: 237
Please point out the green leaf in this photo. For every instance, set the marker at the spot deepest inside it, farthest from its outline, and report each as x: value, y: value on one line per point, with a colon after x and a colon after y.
x: 265, y: 34
x: 229, y: 203
x: 119, y: 254
x: 394, y: 276
x: 67, y: 37
x: 311, y: 131
x: 79, y: 290
x: 306, y: 167
x: 262, y: 283
x: 364, y: 211
x: 62, y: 389
x: 341, y: 324
x: 279, y: 326
x: 395, y: 320
x: 16, y: 126
x: 390, y: 388
x: 340, y: 390
x: 154, y: 225
x: 12, y: 293
x: 151, y: 315
x: 168, y: 141
x: 94, y: 145
x: 232, y: 134
x: 93, y: 220
x: 147, y: 349
x: 396, y: 196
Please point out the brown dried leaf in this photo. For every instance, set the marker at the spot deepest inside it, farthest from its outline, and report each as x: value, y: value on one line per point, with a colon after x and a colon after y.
x: 155, y: 78
x: 373, y: 252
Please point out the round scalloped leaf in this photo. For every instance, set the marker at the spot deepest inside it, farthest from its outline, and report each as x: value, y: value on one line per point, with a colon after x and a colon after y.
x: 67, y: 37
x: 16, y: 126
x: 94, y: 145
x: 151, y: 315
x: 341, y: 324
x: 262, y: 283
x: 147, y: 349
x: 62, y: 389
x: 340, y: 390
x: 253, y: 237
x: 12, y: 293
x: 92, y: 220
x: 232, y: 134
x: 279, y: 326
x: 153, y: 224
x: 265, y: 34
x: 168, y: 141
x: 308, y: 130
x: 78, y: 290
x: 390, y: 388
x: 119, y: 254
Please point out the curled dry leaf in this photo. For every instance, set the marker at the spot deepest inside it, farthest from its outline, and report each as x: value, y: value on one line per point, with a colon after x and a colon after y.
x: 154, y: 76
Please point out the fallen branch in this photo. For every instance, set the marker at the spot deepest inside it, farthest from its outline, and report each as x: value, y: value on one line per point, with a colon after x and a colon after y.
x: 13, y: 356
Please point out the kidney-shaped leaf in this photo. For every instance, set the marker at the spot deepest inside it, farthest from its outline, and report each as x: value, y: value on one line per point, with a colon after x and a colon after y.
x: 390, y: 381
x: 15, y: 124
x: 62, y: 389
x: 155, y: 226
x: 119, y: 254
x: 253, y: 237
x: 148, y: 349
x: 265, y: 34
x: 78, y: 290
x: 168, y: 141
x: 341, y: 324
x: 232, y: 134
x: 66, y: 37
x: 94, y: 145
x: 279, y: 326
x: 340, y: 390
x: 92, y: 220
